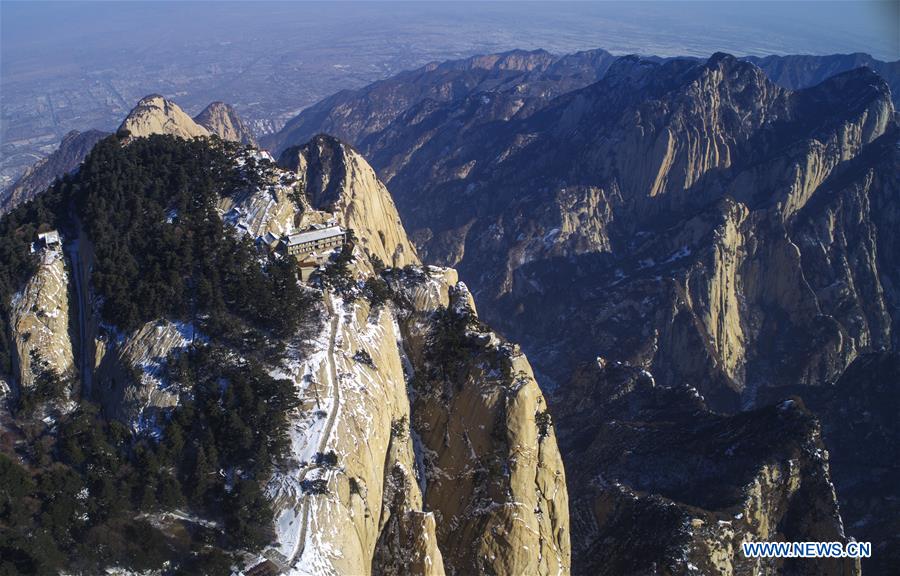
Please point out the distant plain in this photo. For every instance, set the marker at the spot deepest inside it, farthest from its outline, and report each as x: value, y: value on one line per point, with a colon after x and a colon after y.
x: 80, y: 65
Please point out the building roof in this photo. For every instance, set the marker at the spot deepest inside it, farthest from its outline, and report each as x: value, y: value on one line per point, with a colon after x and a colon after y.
x: 51, y: 237
x: 314, y: 235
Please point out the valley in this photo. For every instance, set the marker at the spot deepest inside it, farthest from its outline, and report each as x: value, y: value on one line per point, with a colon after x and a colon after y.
x: 537, y: 311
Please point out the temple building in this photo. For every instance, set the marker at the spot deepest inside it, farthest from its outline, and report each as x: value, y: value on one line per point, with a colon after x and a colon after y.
x: 320, y: 240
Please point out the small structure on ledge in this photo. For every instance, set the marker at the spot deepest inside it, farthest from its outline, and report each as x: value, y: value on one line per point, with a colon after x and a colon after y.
x: 49, y: 239
x: 308, y: 265
x: 312, y: 247
x: 316, y: 240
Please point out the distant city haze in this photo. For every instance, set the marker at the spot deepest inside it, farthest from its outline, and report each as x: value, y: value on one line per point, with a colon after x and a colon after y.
x: 80, y: 65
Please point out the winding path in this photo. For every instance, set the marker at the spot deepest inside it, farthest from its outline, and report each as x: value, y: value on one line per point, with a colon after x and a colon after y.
x: 326, y: 432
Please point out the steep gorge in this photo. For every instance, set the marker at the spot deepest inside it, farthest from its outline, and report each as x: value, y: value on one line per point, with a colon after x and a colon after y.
x: 692, y: 219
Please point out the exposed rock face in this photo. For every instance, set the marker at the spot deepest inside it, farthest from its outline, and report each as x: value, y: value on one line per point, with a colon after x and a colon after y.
x: 156, y: 115
x: 863, y: 404
x: 129, y: 378
x: 352, y: 115
x: 274, y: 204
x: 695, y: 219
x: 372, y: 502
x: 715, y: 153
x: 72, y: 150
x: 40, y: 324
x: 223, y: 120
x: 337, y: 179
x: 492, y: 471
x: 435, y: 481
x: 803, y: 71
x: 685, y: 487
x: 475, y: 486
x: 685, y: 150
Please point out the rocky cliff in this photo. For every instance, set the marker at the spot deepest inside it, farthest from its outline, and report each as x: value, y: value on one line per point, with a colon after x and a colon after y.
x: 497, y: 485
x: 223, y: 120
x: 157, y: 115
x: 336, y: 179
x: 684, y: 150
x: 72, y: 150
x: 389, y: 459
x: 692, y: 218
x: 41, y: 332
x: 668, y: 486
x: 434, y: 480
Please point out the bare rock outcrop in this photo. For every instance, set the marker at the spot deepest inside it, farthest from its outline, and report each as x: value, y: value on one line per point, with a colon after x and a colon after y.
x: 372, y: 488
x: 337, y: 179
x: 40, y: 325
x: 223, y: 120
x: 157, y: 115
x: 72, y: 150
x: 666, y: 485
x: 130, y: 378
x: 493, y: 473
x: 389, y: 479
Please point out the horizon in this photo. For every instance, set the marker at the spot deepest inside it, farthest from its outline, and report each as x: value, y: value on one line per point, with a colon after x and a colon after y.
x: 83, y: 65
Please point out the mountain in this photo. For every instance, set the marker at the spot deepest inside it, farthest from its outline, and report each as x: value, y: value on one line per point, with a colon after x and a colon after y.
x: 175, y: 398
x: 72, y: 150
x: 577, y: 193
x: 353, y: 115
x: 223, y: 120
x: 803, y: 71
x: 155, y: 115
x: 525, y: 78
x: 863, y: 404
x: 667, y: 486
x: 692, y: 219
x: 698, y: 261
x: 152, y: 115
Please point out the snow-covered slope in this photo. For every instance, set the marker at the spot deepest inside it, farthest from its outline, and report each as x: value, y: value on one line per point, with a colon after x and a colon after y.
x: 387, y: 477
x: 398, y: 463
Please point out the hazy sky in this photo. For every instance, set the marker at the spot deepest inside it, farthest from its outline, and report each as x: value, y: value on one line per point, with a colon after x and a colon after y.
x: 79, y: 65
x: 89, y: 29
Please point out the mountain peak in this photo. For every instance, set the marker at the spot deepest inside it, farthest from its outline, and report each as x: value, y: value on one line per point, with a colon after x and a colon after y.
x: 154, y: 114
x: 222, y: 119
x: 720, y: 58
x: 338, y: 179
x: 518, y: 60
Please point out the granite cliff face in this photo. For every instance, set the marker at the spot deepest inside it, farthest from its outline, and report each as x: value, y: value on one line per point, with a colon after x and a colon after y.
x: 40, y: 327
x: 336, y: 179
x: 693, y: 219
x: 223, y: 120
x: 497, y: 485
x: 725, y: 161
x: 667, y: 486
x: 157, y: 115
x: 397, y: 462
